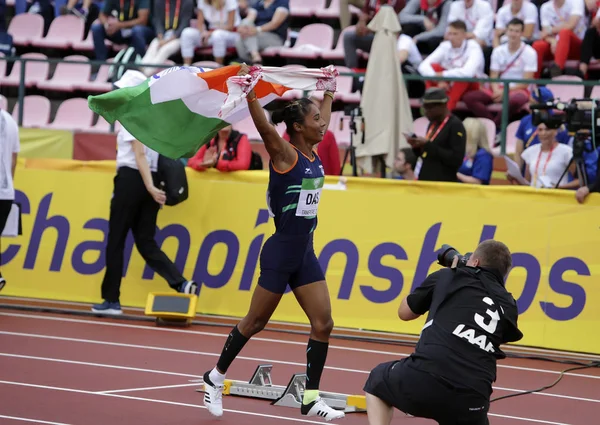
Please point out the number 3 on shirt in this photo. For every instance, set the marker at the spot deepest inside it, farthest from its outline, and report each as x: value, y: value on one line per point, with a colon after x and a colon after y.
x: 493, y: 318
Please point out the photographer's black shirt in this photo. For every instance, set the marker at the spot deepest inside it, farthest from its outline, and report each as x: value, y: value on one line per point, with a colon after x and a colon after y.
x: 470, y: 315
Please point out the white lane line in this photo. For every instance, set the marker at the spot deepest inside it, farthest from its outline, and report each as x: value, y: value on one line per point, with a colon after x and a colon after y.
x: 151, y: 400
x: 134, y: 369
x: 518, y: 418
x: 187, y: 331
x: 278, y: 341
x: 33, y: 421
x: 163, y: 387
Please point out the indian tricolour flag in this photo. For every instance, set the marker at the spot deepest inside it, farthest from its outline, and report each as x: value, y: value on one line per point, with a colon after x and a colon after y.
x: 180, y: 109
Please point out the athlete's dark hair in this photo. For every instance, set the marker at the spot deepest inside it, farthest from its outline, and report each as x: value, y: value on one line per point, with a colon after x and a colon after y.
x: 293, y: 112
x: 494, y: 254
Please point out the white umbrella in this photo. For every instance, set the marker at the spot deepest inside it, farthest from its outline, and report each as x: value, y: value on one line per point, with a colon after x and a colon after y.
x: 385, y: 104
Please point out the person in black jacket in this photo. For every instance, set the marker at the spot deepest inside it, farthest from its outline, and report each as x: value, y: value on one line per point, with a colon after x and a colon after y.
x: 449, y: 376
x: 442, y: 150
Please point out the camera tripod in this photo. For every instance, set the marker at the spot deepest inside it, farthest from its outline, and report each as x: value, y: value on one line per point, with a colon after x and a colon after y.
x: 581, y: 171
x: 351, y: 150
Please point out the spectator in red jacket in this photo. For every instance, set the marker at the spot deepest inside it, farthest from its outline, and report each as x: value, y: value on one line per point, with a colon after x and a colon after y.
x: 328, y: 151
x: 228, y: 151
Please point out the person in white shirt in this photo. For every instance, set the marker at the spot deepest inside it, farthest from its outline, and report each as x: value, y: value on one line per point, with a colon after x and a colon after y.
x: 478, y: 16
x: 455, y: 57
x: 512, y: 60
x: 563, y: 27
x: 526, y: 11
x: 408, y: 53
x: 134, y: 206
x: 223, y: 18
x: 547, y: 161
x: 9, y: 150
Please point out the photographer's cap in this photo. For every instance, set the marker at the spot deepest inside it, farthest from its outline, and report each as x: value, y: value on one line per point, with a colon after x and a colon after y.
x: 435, y: 95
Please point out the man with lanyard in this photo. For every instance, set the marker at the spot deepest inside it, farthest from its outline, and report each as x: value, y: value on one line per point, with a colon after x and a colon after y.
x: 442, y: 151
x: 527, y: 133
x: 123, y: 22
x: 514, y: 60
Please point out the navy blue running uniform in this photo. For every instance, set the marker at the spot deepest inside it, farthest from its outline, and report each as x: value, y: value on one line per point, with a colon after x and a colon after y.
x: 293, y: 196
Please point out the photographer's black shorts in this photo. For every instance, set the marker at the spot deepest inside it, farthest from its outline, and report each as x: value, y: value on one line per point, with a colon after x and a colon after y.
x: 425, y: 396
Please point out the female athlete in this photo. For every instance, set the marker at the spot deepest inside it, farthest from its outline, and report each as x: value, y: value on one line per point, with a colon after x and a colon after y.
x: 287, y: 257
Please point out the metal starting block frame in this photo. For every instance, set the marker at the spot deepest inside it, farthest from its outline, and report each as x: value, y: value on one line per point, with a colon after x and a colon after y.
x: 261, y: 386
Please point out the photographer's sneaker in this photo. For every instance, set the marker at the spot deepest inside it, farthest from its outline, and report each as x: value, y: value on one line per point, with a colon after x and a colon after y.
x: 319, y: 408
x: 213, y: 396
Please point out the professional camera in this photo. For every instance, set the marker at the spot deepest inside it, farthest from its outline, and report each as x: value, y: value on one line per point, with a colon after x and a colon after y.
x: 582, y: 116
x: 447, y: 254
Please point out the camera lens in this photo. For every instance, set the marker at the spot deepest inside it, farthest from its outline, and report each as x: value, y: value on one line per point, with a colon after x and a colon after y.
x: 446, y: 255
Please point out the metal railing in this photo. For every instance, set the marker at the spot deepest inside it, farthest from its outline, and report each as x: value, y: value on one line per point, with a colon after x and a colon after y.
x: 407, y: 77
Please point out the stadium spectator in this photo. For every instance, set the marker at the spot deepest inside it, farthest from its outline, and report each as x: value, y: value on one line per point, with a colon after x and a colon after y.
x: 563, y: 28
x: 405, y: 165
x: 410, y: 59
x: 590, y: 47
x: 478, y: 17
x: 170, y: 19
x: 230, y: 150
x: 442, y: 150
x: 513, y: 60
x: 524, y: 10
x: 265, y: 26
x: 44, y: 8
x: 10, y: 148
x: 123, y: 22
x: 547, y: 161
x: 345, y: 14
x: 478, y: 164
x: 456, y: 57
x: 362, y: 37
x: 425, y: 21
x: 222, y: 17
x: 527, y: 133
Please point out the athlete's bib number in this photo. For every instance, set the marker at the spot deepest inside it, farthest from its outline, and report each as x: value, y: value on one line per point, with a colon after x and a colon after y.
x: 310, y: 195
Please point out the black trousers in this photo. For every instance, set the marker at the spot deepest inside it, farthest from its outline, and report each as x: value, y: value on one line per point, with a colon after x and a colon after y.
x: 590, y: 46
x: 423, y: 395
x: 133, y: 208
x: 5, y: 206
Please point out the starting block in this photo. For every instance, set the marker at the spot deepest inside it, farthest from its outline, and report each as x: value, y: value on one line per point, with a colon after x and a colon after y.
x: 171, y: 308
x: 260, y: 386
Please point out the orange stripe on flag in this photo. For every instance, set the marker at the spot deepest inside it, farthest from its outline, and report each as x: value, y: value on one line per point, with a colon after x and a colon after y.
x: 217, y: 80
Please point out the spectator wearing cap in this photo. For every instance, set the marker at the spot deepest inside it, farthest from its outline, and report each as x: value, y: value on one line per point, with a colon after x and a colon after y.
x: 442, y: 150
x: 362, y: 37
x: 458, y: 56
x: 514, y: 60
x: 563, y: 28
x: 527, y: 133
x: 425, y: 21
x: 478, y: 163
x: 524, y: 10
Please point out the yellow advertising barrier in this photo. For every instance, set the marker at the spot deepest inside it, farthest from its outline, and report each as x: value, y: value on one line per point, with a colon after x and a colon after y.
x: 376, y: 240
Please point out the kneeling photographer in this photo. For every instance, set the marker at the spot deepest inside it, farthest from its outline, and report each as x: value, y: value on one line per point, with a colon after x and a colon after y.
x: 449, y: 376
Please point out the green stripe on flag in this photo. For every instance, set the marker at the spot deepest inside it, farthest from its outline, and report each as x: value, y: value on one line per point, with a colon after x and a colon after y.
x: 168, y: 128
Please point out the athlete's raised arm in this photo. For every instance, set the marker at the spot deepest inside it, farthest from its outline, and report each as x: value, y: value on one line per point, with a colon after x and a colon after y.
x: 281, y: 152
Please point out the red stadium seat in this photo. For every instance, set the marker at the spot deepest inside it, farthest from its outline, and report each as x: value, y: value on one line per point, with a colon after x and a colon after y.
x: 305, y: 8
x: 312, y: 39
x: 26, y: 28
x: 73, y: 114
x: 338, y: 52
x: 68, y: 75
x: 64, y: 31
x: 36, y: 111
x: 35, y: 72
